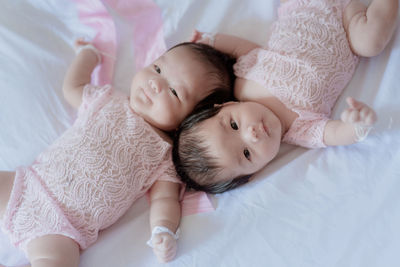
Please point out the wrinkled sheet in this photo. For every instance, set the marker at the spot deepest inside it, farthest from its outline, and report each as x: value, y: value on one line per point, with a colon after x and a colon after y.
x: 337, y: 206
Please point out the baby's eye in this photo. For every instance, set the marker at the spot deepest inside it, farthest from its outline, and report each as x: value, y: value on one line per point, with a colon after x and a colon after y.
x: 246, y: 153
x: 234, y: 125
x: 174, y: 92
x: 157, y: 69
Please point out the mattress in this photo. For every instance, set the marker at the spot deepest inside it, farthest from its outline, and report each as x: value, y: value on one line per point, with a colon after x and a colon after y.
x: 337, y: 206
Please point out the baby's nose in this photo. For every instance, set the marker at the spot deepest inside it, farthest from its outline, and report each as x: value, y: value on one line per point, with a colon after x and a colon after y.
x: 155, y: 85
x: 252, y: 134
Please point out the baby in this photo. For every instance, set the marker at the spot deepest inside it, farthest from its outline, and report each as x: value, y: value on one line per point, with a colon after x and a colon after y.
x: 116, y: 150
x: 288, y: 90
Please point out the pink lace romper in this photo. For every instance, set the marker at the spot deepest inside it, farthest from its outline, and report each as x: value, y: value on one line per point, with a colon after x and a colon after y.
x: 306, y: 65
x: 91, y: 175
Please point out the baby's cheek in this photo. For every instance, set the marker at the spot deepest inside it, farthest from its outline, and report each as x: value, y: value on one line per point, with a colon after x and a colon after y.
x: 167, y: 120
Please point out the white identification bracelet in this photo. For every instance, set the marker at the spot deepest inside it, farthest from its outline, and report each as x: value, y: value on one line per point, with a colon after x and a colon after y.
x: 362, y: 132
x: 160, y: 230
x: 211, y: 38
x: 90, y: 47
x: 95, y: 50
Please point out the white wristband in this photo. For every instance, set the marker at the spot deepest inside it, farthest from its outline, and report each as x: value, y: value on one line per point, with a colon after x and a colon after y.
x: 90, y: 47
x: 159, y: 230
x: 210, y: 36
x: 96, y: 51
x: 361, y: 132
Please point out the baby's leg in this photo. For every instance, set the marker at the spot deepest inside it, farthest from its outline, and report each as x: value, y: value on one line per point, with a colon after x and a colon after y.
x: 6, y: 184
x: 52, y: 251
x: 369, y: 29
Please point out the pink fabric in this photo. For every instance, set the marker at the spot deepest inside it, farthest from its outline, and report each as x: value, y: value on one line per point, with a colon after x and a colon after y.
x: 145, y: 18
x: 193, y: 202
x: 148, y: 44
x: 90, y: 176
x: 94, y: 14
x: 306, y: 64
x: 196, y: 202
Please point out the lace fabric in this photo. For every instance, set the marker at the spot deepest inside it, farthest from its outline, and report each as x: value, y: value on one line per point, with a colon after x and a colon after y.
x: 306, y: 65
x: 91, y: 175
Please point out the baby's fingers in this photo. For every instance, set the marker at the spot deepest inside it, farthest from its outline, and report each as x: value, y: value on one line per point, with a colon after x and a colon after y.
x: 196, y: 36
x: 367, y: 116
x: 80, y: 42
x: 350, y: 115
x: 165, y: 253
x: 354, y: 104
x: 165, y: 256
x: 165, y: 247
x: 358, y: 112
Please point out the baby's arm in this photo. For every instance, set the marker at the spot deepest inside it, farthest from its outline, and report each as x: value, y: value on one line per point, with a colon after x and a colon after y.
x: 78, y: 74
x: 355, y: 123
x: 165, y: 211
x: 232, y: 45
x: 369, y: 29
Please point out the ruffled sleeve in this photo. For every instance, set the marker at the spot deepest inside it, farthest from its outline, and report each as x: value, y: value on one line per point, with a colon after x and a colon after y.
x: 167, y: 173
x: 93, y: 97
x: 307, y: 131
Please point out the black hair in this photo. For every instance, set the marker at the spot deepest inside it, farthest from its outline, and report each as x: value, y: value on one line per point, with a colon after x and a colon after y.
x: 192, y: 161
x: 220, y: 65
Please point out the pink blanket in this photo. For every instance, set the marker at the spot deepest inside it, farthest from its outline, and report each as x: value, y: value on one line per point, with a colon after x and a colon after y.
x: 148, y: 44
x: 146, y: 21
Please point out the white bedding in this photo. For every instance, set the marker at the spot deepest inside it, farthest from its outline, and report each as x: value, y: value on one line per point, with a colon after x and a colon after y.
x: 337, y: 206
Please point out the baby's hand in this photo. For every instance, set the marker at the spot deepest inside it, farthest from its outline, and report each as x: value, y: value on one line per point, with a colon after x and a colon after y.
x: 164, y: 247
x: 202, y: 37
x: 361, y: 116
x: 81, y: 44
x: 358, y: 113
x: 196, y: 36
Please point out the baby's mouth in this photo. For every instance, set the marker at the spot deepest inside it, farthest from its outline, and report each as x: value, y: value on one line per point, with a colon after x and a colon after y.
x: 144, y: 95
x: 265, y: 128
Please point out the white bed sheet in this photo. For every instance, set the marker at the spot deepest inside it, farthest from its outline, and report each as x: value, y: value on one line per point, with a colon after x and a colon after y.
x: 327, y: 207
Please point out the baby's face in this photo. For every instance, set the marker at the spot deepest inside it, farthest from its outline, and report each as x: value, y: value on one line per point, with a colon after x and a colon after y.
x: 166, y: 91
x: 243, y: 137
